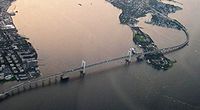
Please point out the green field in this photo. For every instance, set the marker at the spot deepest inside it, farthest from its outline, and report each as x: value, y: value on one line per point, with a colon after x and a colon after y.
x: 139, y: 38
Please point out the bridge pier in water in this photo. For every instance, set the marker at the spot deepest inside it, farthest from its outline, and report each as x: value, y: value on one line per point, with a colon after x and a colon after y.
x: 30, y: 87
x: 36, y: 84
x: 49, y: 81
x: 23, y: 88
x: 18, y: 89
x: 43, y: 83
x: 56, y: 80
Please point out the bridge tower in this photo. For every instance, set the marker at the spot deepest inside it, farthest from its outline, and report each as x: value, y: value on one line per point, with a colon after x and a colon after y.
x: 128, y: 60
x: 133, y: 50
x: 83, y: 65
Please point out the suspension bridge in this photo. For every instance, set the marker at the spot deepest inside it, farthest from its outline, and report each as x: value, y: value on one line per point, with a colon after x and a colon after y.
x: 64, y: 76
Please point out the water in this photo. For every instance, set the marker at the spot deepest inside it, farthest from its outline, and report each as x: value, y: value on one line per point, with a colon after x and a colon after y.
x: 66, y: 33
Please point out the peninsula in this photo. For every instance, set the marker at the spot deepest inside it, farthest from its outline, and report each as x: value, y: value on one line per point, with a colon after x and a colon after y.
x: 134, y: 9
x: 18, y: 58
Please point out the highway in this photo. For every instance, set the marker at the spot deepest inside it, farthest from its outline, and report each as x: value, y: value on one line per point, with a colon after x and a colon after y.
x: 57, y: 76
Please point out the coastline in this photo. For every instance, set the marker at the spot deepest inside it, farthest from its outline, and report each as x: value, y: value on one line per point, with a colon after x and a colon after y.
x: 132, y: 10
x: 176, y: 88
x: 18, y: 56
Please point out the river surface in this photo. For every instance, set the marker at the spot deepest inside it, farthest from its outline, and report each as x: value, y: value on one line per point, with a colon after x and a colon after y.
x: 64, y: 33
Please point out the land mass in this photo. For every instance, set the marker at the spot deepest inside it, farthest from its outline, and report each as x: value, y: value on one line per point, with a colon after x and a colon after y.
x: 18, y: 58
x: 134, y: 9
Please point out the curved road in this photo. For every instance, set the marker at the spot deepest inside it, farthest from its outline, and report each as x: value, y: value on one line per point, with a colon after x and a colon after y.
x: 40, y: 80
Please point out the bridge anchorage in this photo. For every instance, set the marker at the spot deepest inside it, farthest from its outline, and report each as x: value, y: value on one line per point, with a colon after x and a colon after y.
x: 82, y: 71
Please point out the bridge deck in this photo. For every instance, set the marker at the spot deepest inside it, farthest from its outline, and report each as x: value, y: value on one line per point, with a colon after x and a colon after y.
x: 55, y: 76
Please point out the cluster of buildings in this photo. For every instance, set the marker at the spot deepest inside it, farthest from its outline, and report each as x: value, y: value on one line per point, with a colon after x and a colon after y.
x: 164, y: 22
x: 18, y: 58
x: 134, y: 9
x: 131, y: 10
x: 165, y: 8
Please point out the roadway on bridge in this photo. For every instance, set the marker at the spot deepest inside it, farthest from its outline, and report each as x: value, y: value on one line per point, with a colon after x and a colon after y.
x: 163, y: 50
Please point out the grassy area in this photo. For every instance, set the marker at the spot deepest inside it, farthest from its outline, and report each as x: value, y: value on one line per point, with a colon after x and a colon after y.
x: 157, y: 60
x: 143, y: 40
x: 139, y: 38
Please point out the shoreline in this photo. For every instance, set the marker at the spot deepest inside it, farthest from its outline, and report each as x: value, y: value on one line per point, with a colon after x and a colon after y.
x: 132, y: 10
x: 35, y: 82
x: 18, y: 56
